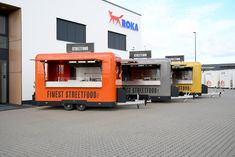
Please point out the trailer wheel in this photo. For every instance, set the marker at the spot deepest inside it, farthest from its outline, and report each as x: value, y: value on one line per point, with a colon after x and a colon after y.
x: 81, y: 107
x: 68, y: 107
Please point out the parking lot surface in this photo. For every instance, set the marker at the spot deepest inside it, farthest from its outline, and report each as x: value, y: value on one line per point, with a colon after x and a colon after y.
x: 200, y: 127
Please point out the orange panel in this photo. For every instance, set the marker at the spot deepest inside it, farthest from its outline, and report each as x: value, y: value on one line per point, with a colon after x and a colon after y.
x: 106, y: 93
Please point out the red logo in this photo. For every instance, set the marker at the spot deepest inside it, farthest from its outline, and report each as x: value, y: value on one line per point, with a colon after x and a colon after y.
x: 114, y: 18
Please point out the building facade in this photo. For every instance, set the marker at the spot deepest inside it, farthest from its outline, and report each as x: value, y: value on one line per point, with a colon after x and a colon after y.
x: 32, y: 27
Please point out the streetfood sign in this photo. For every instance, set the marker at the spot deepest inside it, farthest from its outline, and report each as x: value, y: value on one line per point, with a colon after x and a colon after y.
x: 71, y: 94
x: 177, y: 58
x: 140, y: 54
x: 80, y: 47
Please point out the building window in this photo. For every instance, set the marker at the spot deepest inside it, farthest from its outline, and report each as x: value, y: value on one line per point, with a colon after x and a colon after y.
x: 3, y: 42
x: 116, y: 41
x: 3, y: 25
x: 71, y: 31
x: 3, y: 32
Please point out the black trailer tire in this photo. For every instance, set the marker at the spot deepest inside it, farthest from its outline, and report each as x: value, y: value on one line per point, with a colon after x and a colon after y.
x: 81, y: 107
x: 68, y: 107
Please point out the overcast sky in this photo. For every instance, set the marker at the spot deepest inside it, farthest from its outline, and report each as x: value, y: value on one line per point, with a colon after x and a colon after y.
x: 168, y: 25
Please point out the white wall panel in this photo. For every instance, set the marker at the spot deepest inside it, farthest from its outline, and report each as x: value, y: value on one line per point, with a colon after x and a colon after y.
x: 211, y: 78
x: 226, y: 79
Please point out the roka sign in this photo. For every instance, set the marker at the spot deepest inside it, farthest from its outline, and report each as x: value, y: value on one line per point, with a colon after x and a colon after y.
x: 123, y: 22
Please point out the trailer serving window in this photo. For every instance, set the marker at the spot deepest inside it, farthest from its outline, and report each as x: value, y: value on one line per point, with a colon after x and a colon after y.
x: 141, y: 74
x: 183, y: 76
x: 73, y: 73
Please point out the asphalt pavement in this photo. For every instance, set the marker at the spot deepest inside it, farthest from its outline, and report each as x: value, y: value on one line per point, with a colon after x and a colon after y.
x: 199, y: 127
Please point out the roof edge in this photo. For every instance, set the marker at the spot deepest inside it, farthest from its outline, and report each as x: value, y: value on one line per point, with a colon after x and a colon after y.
x: 122, y: 7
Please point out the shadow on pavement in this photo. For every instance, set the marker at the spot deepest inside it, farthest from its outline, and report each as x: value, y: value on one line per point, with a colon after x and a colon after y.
x: 5, y: 107
x: 96, y: 108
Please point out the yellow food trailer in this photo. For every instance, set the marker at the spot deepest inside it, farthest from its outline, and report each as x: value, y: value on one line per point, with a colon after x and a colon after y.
x: 187, y: 77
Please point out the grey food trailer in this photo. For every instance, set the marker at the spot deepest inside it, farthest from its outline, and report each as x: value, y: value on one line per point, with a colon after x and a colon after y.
x: 148, y: 78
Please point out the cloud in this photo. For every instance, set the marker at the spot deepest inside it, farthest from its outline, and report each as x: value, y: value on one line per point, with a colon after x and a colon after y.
x: 167, y: 29
x: 203, y: 10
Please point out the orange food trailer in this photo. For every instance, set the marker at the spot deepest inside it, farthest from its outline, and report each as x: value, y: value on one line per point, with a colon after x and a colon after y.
x: 80, y: 80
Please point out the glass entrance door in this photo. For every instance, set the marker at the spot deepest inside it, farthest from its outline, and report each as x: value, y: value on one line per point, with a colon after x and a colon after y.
x: 3, y: 81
